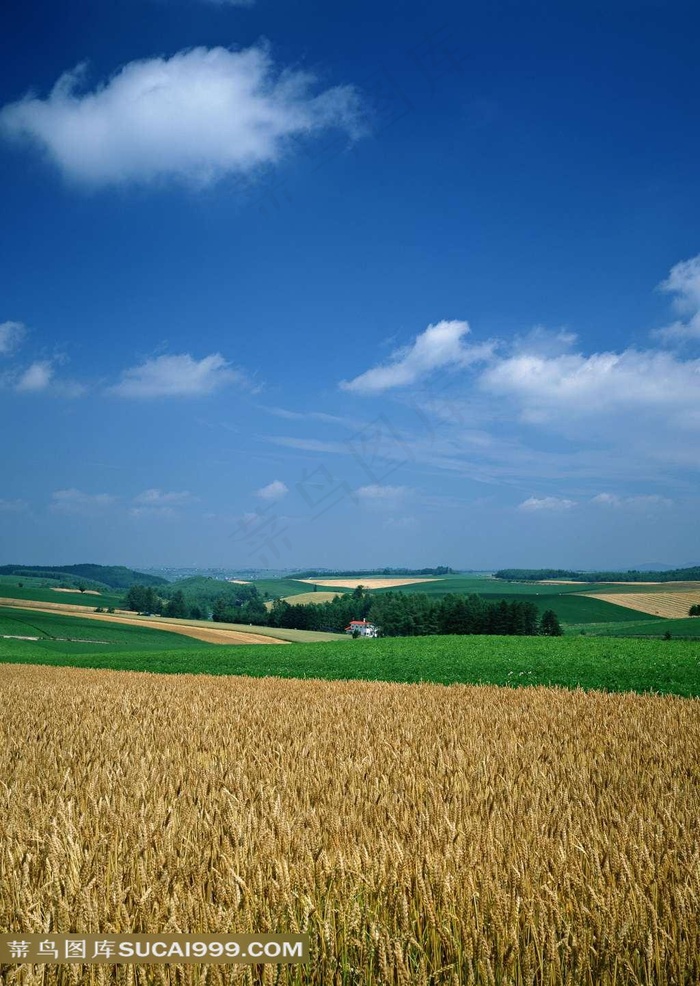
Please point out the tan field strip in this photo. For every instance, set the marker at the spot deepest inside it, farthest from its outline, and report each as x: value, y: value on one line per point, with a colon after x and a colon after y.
x: 85, y: 592
x: 209, y: 636
x: 673, y: 605
x: 368, y: 583
x: 419, y: 834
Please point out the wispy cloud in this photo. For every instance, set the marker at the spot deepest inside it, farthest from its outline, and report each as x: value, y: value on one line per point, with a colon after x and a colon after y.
x: 376, y: 492
x: 645, y: 500
x: 177, y: 376
x: 439, y: 346
x: 195, y: 117
x: 547, y: 503
x: 13, y: 506
x: 11, y: 336
x: 273, y: 491
x: 35, y: 378
x: 160, y: 498
x: 74, y: 501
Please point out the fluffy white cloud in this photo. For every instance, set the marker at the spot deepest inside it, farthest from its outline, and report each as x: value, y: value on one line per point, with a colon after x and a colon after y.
x: 35, y: 378
x: 196, y: 116
x: 160, y: 498
x: 73, y: 501
x: 273, y: 491
x: 177, y: 376
x: 439, y: 346
x: 11, y: 335
x: 590, y: 385
x: 684, y: 283
x: 556, y: 503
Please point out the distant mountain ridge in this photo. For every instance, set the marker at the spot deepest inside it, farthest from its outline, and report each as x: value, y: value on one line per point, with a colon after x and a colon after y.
x: 114, y: 576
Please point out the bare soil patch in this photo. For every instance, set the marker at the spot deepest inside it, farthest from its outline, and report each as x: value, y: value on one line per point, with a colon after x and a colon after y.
x: 368, y: 583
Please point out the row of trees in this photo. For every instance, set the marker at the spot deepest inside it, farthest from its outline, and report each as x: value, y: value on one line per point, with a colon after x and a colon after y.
x: 223, y: 602
x: 404, y: 614
x: 540, y: 574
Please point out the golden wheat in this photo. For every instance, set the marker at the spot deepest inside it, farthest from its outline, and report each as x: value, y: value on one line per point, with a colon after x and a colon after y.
x: 419, y: 833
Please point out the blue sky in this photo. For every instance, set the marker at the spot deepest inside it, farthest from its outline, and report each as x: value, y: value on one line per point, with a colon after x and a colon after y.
x: 301, y: 284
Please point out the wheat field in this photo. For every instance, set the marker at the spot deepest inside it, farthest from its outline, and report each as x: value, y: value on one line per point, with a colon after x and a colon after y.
x: 420, y: 833
x: 673, y: 605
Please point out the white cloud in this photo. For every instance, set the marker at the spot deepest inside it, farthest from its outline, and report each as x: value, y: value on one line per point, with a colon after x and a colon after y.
x: 196, y: 117
x: 683, y: 282
x: 273, y: 491
x: 73, y: 501
x: 177, y: 376
x: 35, y: 378
x: 556, y: 503
x: 590, y: 385
x: 11, y: 335
x: 440, y: 345
x: 160, y: 498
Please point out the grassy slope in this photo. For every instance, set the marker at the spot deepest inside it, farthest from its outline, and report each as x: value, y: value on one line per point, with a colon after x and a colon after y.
x: 41, y: 591
x: 120, y: 637
x: 60, y: 625
x: 586, y: 662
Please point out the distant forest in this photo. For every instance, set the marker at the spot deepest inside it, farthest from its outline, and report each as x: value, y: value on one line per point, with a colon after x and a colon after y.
x: 539, y: 574
x: 317, y: 573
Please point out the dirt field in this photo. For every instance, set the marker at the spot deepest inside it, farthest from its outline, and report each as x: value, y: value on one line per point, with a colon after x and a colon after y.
x: 368, y: 583
x: 670, y: 604
x: 212, y: 635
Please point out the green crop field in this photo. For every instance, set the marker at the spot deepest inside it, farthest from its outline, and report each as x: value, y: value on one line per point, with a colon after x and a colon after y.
x: 668, y: 667
x: 651, y: 626
x: 113, y: 637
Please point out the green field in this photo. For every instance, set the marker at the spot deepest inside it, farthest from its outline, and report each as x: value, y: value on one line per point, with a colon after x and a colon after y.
x: 113, y: 637
x: 40, y: 591
x: 280, y: 588
x: 671, y: 667
x: 653, y: 627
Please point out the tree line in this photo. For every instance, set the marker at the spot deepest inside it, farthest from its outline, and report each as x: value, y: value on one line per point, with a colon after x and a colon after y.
x: 542, y: 574
x: 396, y: 614
x: 406, y: 614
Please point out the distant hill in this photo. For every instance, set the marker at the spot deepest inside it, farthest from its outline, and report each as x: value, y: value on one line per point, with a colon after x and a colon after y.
x: 691, y: 574
x: 114, y: 576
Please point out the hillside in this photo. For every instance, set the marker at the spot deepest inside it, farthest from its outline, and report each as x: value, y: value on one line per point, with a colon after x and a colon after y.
x: 113, y: 576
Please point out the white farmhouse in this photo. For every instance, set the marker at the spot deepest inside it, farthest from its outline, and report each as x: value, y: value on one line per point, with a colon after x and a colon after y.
x: 364, y: 628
